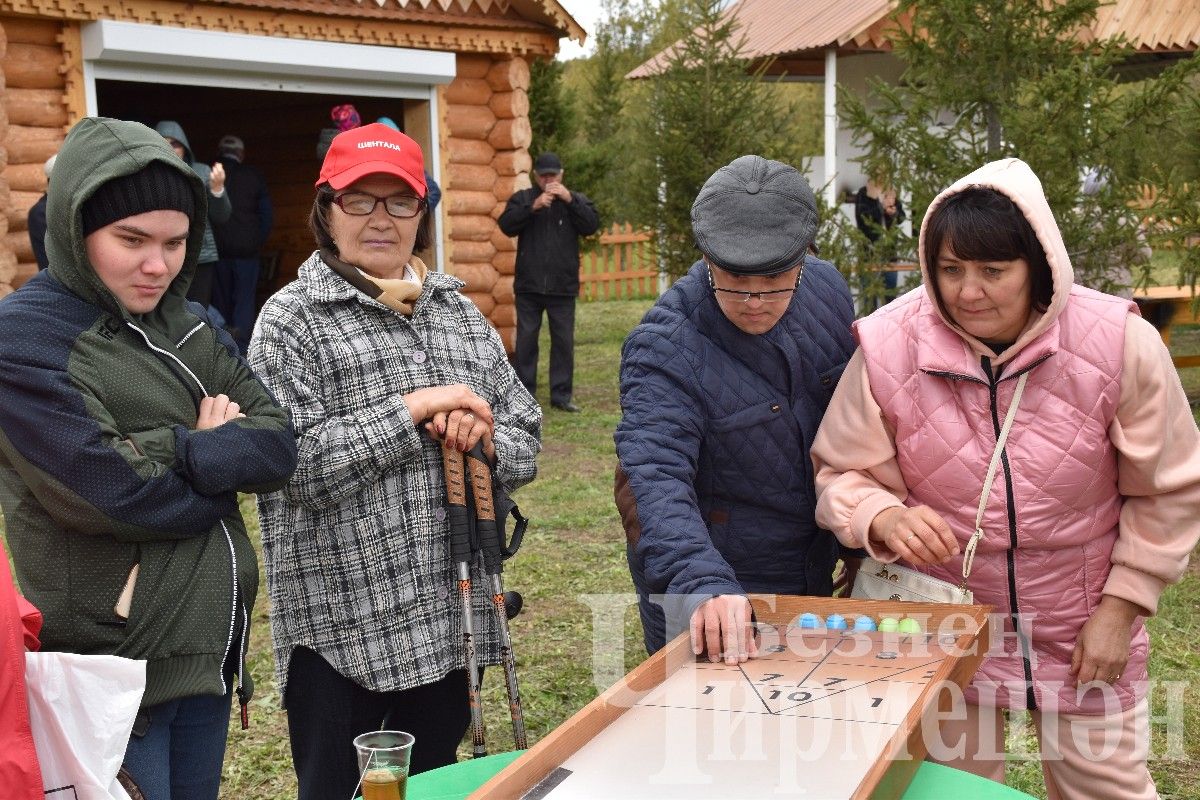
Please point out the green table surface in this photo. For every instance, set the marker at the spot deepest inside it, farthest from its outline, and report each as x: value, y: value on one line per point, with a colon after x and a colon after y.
x: 932, y: 781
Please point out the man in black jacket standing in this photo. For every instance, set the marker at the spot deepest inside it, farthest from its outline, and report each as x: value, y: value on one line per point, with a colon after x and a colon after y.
x: 548, y: 220
x: 240, y: 240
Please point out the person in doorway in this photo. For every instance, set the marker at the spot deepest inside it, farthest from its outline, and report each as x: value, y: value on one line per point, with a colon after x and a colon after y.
x: 37, y: 222
x: 240, y: 240
x: 380, y: 361
x: 219, y: 209
x: 548, y: 220
x: 128, y: 428
x: 1090, y: 503
x: 723, y: 385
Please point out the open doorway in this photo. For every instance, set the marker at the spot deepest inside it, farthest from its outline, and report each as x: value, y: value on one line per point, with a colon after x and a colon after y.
x: 280, y: 130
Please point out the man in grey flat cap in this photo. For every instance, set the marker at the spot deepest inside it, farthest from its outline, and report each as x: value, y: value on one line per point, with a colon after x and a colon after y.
x: 723, y: 385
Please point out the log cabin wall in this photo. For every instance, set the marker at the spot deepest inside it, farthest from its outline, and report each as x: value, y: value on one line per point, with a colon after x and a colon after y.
x: 33, y: 119
x: 486, y: 137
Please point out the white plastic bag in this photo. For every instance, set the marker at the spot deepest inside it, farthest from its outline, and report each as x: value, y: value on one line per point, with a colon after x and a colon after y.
x: 81, y: 710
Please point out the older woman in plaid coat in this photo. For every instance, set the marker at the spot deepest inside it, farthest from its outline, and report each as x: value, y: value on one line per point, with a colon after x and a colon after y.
x: 377, y: 359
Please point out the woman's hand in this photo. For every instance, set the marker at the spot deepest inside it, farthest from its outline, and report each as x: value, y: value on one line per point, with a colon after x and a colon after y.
x: 454, y: 413
x: 1102, y: 648
x: 215, y: 411
x: 918, y: 535
x: 216, y: 179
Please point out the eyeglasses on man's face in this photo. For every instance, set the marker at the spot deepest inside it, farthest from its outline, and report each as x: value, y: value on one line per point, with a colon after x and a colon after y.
x: 361, y: 204
x: 768, y: 296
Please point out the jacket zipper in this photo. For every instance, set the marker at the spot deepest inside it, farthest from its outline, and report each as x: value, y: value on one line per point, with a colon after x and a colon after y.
x: 1010, y: 554
x: 232, y: 558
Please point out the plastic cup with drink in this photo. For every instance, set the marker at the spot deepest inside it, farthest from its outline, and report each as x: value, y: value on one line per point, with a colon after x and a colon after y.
x: 383, y: 758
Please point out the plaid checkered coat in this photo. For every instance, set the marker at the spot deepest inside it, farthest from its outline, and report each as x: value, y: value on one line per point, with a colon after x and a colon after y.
x: 357, y: 544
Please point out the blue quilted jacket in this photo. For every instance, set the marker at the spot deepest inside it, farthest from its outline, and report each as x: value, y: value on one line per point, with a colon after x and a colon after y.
x: 714, y: 440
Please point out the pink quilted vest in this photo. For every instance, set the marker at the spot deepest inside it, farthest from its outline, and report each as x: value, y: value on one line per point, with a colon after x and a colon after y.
x: 1051, y: 518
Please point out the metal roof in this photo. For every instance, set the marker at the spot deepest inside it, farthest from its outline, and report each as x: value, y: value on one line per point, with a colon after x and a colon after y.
x: 792, y: 28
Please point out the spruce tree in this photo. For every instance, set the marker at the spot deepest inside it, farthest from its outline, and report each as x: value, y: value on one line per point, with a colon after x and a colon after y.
x: 989, y: 79
x: 704, y: 110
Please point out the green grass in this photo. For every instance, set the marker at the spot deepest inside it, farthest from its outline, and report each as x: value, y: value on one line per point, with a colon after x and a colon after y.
x: 574, y: 555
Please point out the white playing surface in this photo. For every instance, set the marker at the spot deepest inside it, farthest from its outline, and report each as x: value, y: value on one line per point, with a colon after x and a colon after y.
x: 807, y: 718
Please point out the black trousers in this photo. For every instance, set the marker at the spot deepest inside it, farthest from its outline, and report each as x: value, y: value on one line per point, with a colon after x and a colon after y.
x: 560, y: 311
x: 327, y: 710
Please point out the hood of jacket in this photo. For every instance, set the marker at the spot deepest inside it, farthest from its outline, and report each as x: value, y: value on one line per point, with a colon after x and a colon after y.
x: 96, y: 151
x: 171, y: 129
x: 1014, y: 179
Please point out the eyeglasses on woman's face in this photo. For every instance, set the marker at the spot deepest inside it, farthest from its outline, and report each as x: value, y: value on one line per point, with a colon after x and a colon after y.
x: 768, y: 296
x: 362, y: 204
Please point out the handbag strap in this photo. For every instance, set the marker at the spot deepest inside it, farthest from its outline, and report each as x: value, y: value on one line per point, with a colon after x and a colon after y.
x: 969, y: 553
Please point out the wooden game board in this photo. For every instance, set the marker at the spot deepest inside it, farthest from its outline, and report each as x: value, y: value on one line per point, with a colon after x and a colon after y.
x: 819, y: 714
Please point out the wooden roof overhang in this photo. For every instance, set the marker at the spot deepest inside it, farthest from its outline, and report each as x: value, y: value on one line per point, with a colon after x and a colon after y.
x: 515, y: 27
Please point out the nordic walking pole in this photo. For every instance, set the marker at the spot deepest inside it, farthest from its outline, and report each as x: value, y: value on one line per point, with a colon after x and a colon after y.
x: 489, y: 529
x: 462, y: 550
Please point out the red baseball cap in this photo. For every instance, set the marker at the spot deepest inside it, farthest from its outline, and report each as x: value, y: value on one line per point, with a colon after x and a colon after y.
x: 372, y: 149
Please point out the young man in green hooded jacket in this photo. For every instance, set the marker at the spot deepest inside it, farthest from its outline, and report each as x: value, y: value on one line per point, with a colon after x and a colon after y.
x: 128, y: 424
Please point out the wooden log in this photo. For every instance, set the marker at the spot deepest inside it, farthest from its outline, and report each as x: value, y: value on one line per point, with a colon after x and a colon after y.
x: 513, y: 73
x: 471, y: 252
x: 504, y: 315
x: 41, y: 107
x: 469, y: 92
x: 502, y: 241
x: 509, y: 337
x: 20, y: 245
x: 478, y: 277
x: 25, y: 271
x: 32, y: 145
x: 17, y: 207
x: 506, y: 262
x: 27, y: 30
x: 503, y: 290
x: 472, y: 65
x: 33, y: 66
x: 469, y: 151
x: 464, y: 202
x: 471, y: 177
x: 505, y: 187
x: 472, y: 227
x: 513, y: 162
x: 507, y: 105
x: 470, y: 122
x: 26, y: 177
x: 483, y: 301
x: 8, y: 267
x: 510, y: 134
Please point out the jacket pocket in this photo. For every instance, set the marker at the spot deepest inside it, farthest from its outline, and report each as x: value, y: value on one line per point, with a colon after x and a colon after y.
x: 757, y: 414
x: 828, y: 381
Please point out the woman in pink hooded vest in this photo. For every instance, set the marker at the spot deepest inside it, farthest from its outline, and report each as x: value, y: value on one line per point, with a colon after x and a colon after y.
x: 1093, y: 508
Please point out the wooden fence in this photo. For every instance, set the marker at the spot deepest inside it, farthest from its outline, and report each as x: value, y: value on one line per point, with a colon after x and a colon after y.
x: 621, y: 267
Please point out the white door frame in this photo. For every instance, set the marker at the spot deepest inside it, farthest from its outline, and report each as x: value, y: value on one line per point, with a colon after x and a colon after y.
x: 129, y: 51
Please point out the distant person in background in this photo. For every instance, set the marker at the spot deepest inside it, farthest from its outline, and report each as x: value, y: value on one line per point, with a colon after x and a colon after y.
x: 876, y: 210
x: 219, y: 208
x: 434, y: 193
x: 548, y: 220
x: 240, y: 240
x: 37, y: 221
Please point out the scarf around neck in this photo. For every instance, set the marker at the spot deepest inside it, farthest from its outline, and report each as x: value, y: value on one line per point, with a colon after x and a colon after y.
x: 398, y: 294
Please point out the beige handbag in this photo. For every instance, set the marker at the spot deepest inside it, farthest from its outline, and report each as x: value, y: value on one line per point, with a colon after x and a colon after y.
x: 879, y: 581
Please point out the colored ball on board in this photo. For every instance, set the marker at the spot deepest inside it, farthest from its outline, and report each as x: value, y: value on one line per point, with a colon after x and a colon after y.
x: 863, y: 623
